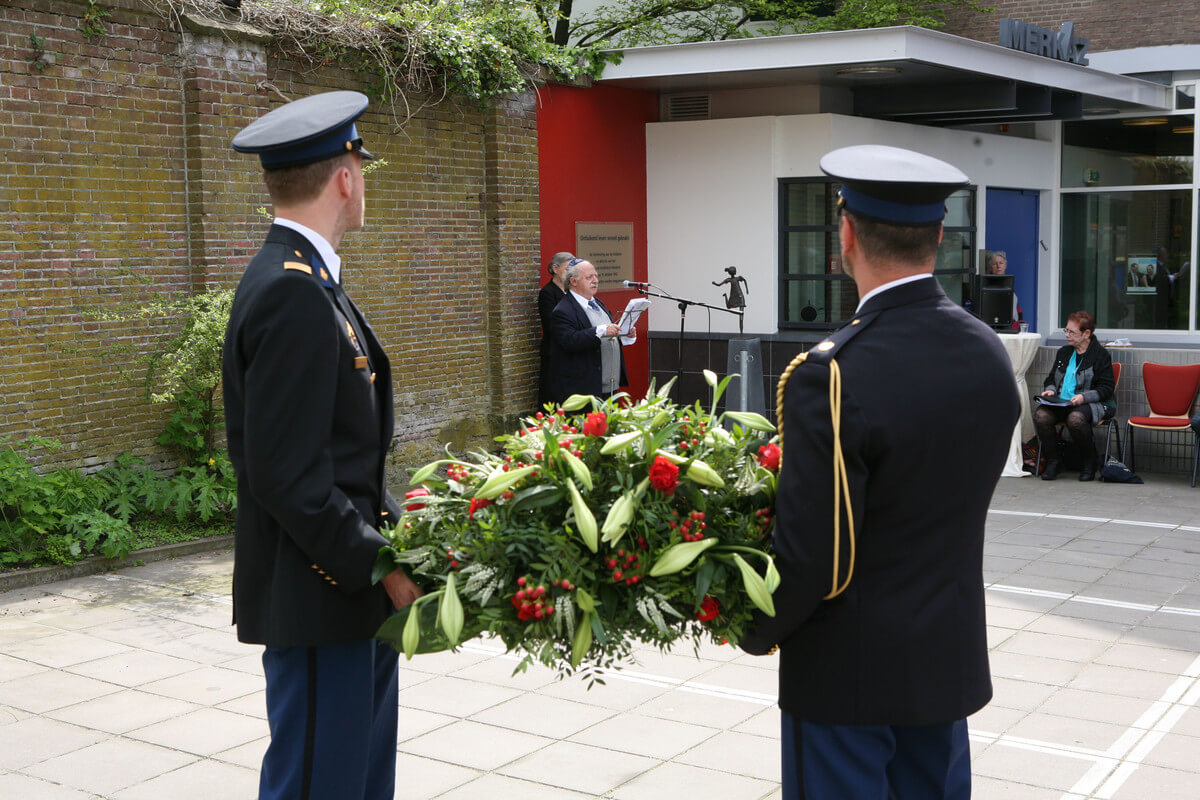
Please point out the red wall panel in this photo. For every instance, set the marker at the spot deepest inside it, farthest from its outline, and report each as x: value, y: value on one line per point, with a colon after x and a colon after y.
x: 592, y: 168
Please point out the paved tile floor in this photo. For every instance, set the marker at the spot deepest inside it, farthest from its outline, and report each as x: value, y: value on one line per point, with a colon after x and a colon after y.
x: 131, y: 685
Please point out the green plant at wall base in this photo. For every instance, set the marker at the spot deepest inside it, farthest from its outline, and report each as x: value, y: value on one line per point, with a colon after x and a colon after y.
x: 64, y: 515
x: 190, y: 424
x: 187, y: 372
x: 61, y: 510
x: 203, y: 492
x: 92, y: 23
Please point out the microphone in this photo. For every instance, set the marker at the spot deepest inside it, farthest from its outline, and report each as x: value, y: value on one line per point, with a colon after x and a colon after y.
x: 634, y: 285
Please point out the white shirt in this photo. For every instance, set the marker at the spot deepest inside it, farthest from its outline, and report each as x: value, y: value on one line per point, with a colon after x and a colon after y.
x: 324, y: 249
x: 890, y: 285
x: 583, y: 301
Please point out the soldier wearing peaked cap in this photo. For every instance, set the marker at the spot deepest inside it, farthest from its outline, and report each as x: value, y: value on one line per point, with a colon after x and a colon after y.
x: 895, y: 430
x: 308, y: 413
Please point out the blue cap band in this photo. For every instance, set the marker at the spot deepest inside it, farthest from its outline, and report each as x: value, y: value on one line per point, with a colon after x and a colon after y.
x: 890, y: 211
x: 327, y: 145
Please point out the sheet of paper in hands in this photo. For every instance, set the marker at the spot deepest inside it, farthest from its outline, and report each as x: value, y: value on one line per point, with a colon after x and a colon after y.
x: 629, y: 316
x: 1053, y: 400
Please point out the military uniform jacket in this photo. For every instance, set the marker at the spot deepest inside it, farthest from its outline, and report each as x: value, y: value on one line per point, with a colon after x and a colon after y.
x: 928, y: 408
x: 574, y: 359
x: 308, y: 412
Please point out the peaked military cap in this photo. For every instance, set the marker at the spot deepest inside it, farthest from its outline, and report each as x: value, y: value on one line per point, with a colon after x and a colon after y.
x: 893, y: 185
x: 305, y: 131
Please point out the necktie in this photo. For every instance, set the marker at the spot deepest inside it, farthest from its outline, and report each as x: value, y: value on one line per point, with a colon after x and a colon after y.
x: 593, y: 305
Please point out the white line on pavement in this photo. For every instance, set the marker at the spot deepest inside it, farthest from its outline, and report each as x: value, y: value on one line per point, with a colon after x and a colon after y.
x: 1047, y: 515
x: 1095, y: 601
x: 1038, y: 746
x: 1128, y: 752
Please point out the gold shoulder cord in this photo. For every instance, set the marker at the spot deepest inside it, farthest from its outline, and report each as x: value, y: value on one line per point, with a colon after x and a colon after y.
x: 841, y: 484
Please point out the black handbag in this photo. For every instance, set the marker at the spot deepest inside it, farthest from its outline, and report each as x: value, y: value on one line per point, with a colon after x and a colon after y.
x: 1116, y: 472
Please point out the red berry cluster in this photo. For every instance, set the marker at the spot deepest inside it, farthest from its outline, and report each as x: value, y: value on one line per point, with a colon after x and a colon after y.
x: 692, y: 528
x: 625, y: 567
x: 454, y: 563
x: 530, y: 602
x: 690, y: 440
x: 763, y: 519
x: 457, y: 472
x: 509, y: 464
x: 477, y: 504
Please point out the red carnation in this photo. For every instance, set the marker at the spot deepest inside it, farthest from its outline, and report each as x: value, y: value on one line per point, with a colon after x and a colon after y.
x: 709, y: 609
x: 596, y: 424
x: 769, y: 455
x: 477, y: 504
x: 420, y: 491
x: 664, y: 475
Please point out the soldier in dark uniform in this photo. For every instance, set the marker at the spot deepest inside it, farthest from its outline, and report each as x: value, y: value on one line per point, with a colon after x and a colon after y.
x: 882, y: 498
x: 308, y: 412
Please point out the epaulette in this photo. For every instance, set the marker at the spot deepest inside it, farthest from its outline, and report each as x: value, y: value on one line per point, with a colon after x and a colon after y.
x: 824, y: 351
x: 301, y: 266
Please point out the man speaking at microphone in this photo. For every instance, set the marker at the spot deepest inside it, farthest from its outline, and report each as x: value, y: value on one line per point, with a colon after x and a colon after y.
x: 585, y: 349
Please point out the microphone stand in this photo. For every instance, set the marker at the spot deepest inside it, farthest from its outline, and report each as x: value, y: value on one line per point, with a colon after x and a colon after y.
x: 683, y: 305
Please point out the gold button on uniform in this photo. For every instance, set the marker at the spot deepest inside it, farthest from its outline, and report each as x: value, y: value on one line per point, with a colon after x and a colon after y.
x: 826, y: 345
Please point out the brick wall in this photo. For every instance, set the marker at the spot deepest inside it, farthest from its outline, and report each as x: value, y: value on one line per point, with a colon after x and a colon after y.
x: 119, y: 185
x: 1108, y: 24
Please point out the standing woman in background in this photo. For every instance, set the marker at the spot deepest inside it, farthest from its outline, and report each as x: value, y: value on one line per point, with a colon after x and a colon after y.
x: 548, y: 298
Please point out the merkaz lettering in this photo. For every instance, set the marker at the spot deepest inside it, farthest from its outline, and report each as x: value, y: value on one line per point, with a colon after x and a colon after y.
x: 1062, y: 44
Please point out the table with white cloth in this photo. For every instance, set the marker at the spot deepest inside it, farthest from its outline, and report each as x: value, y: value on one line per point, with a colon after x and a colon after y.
x: 1021, y: 348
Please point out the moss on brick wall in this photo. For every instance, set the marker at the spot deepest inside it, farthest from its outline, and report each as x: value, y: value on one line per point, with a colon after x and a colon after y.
x: 119, y: 184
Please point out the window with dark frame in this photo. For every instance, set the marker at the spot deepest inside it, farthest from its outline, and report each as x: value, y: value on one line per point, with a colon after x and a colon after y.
x: 814, y: 290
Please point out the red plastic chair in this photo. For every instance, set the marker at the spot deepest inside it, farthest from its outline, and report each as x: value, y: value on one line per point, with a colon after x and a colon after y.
x: 1105, y: 423
x: 1170, y: 390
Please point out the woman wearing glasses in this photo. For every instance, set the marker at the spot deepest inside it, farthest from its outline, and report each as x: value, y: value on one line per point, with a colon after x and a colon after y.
x: 1082, y: 377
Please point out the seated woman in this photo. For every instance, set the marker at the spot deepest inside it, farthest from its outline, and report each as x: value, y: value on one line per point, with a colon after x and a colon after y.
x: 1083, y: 375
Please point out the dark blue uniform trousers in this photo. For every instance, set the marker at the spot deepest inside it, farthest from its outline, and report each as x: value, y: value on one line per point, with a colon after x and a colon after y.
x: 332, y: 711
x: 875, y: 762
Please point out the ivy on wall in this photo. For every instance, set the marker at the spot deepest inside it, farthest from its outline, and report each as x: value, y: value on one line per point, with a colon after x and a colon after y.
x: 432, y: 49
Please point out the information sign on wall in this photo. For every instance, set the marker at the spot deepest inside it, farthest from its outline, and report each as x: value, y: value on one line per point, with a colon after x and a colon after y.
x: 609, y: 246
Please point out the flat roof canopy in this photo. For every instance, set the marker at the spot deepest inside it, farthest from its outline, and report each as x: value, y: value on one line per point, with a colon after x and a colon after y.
x: 903, y: 73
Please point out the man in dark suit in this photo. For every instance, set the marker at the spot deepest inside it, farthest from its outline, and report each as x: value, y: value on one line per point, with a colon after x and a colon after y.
x: 308, y: 413
x: 880, y: 613
x: 585, y: 349
x: 548, y: 298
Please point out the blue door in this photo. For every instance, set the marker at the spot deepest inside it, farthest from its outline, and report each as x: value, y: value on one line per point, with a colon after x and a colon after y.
x: 1012, y: 226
